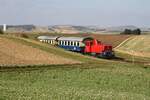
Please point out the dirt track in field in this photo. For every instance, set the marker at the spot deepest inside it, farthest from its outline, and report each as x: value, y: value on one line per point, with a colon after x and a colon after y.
x: 12, y: 53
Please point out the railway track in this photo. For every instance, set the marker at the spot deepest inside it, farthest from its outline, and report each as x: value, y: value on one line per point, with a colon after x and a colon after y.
x: 146, y: 63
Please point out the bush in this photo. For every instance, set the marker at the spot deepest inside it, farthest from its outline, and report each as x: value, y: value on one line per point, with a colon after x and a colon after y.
x: 1, y: 32
x: 24, y: 35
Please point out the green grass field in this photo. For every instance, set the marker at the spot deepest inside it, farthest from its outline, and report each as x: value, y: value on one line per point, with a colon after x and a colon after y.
x: 77, y: 82
x: 94, y: 79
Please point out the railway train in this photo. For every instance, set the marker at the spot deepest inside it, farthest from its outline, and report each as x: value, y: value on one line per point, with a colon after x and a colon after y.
x: 85, y: 45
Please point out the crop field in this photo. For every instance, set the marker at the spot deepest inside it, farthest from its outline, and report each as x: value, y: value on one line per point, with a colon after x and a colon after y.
x: 14, y: 53
x: 138, y: 46
x: 85, y: 78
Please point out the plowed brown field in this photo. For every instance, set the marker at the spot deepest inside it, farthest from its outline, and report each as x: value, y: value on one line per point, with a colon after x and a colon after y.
x: 113, y: 40
x: 12, y: 53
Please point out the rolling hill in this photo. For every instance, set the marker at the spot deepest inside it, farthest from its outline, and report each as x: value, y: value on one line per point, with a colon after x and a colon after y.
x: 71, y: 29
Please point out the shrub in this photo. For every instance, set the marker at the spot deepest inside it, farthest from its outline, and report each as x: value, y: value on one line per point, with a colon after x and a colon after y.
x: 1, y: 31
x: 24, y: 35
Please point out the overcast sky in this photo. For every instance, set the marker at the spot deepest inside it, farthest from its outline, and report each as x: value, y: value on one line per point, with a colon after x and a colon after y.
x: 76, y: 12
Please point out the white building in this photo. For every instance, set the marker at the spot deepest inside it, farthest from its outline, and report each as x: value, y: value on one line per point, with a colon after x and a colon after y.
x: 4, y: 27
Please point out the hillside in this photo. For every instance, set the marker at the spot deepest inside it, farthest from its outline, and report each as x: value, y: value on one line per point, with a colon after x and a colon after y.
x: 16, y: 53
x: 71, y: 29
x: 138, y: 46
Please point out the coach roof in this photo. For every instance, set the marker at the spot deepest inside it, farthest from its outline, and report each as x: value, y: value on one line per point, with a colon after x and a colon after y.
x: 74, y: 38
x: 48, y: 37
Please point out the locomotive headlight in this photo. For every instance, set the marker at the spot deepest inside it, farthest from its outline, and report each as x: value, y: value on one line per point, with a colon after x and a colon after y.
x: 104, y: 53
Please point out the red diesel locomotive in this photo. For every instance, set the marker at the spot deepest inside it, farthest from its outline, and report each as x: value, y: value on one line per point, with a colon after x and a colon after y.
x: 96, y: 48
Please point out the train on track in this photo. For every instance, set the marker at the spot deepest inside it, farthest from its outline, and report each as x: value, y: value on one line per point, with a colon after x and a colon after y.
x: 85, y: 45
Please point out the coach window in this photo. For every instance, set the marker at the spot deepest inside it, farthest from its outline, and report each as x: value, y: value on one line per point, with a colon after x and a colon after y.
x: 68, y: 43
x: 64, y: 42
x: 74, y: 43
x: 71, y: 43
x: 77, y: 43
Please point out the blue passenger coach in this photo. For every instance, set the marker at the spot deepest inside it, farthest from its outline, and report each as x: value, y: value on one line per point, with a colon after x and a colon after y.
x: 71, y: 43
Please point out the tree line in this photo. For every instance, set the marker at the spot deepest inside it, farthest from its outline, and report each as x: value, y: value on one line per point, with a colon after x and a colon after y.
x: 131, y: 32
